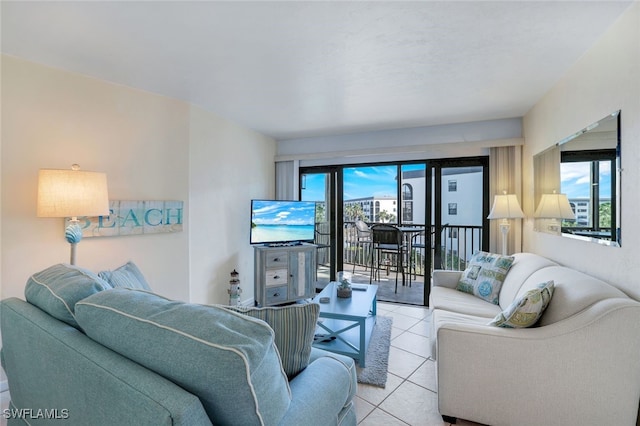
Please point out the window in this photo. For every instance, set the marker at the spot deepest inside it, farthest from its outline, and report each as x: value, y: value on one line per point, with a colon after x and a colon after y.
x: 453, y: 209
x: 453, y: 232
x: 587, y: 175
x: 407, y: 203
x: 453, y: 185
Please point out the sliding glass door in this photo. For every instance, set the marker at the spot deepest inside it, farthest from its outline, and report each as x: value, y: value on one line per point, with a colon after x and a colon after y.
x: 440, y: 205
x: 319, y: 185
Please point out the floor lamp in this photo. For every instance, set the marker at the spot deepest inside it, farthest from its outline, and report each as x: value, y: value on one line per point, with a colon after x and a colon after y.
x: 505, y: 207
x: 72, y: 193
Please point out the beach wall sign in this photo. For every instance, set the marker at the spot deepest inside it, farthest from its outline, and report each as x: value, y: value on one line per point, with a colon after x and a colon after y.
x: 134, y: 218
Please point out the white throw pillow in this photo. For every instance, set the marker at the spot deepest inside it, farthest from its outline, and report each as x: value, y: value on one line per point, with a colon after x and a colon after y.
x: 527, y: 309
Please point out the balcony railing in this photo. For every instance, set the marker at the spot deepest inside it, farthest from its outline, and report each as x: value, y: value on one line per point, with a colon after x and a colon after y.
x: 457, y: 245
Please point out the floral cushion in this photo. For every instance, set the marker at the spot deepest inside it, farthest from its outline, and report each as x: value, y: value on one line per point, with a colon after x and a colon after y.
x: 484, y: 275
x: 527, y: 309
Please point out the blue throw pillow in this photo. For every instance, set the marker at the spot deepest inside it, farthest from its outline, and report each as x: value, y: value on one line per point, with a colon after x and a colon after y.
x: 56, y: 290
x: 229, y: 361
x: 126, y: 276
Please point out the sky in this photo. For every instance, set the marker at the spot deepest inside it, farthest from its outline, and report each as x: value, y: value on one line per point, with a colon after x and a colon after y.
x: 282, y: 212
x: 576, y: 179
x: 359, y: 182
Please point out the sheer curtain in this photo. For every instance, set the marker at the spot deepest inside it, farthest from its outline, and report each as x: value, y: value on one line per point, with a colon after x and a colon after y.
x: 287, y: 180
x: 505, y: 174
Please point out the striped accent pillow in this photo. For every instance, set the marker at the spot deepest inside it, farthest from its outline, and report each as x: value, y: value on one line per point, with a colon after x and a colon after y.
x: 294, y: 327
x: 126, y: 276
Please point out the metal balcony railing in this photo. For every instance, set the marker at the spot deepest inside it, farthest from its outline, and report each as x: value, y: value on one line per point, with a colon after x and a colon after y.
x: 457, y: 245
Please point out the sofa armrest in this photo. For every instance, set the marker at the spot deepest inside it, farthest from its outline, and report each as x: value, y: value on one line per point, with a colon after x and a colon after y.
x: 323, y: 392
x: 445, y: 278
x: 545, y: 375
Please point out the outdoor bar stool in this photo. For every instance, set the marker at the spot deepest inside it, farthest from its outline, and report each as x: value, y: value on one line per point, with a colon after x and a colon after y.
x: 387, y: 240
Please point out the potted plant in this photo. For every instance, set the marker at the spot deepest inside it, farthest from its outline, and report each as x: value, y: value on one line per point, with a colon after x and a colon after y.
x: 344, y: 288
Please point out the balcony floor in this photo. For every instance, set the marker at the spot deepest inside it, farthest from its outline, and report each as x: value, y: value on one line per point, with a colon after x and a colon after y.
x: 386, y: 285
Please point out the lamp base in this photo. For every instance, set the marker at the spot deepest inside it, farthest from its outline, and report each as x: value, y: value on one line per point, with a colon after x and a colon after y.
x: 73, y: 234
x: 504, y: 228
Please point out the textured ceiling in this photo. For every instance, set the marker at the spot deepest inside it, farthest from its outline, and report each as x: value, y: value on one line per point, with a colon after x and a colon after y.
x: 300, y: 69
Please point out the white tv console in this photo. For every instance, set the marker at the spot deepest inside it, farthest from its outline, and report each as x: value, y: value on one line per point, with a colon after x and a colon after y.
x: 284, y: 273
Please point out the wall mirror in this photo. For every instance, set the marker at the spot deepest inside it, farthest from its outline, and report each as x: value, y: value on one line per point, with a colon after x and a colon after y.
x: 584, y: 166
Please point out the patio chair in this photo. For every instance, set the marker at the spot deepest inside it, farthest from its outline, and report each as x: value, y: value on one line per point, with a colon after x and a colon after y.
x: 387, y: 241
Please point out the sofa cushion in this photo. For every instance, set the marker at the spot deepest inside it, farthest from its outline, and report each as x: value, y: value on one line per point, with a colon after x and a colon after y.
x: 484, y: 275
x: 294, y: 327
x: 126, y: 276
x: 524, y: 265
x: 228, y: 360
x: 527, y: 309
x: 56, y: 290
x: 449, y: 299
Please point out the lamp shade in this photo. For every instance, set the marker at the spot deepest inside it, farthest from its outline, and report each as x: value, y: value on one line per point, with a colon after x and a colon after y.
x: 72, y: 193
x: 505, y: 206
x: 554, y: 206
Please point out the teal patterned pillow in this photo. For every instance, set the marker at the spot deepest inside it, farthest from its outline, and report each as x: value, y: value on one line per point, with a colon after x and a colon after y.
x: 294, y: 327
x: 526, y: 310
x: 484, y: 275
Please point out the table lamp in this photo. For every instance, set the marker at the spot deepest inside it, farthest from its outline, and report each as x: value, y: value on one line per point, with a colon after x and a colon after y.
x: 505, y: 207
x: 72, y: 193
x: 554, y: 206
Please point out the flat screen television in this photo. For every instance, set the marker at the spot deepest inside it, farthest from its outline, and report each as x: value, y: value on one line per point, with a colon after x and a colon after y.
x: 282, y: 222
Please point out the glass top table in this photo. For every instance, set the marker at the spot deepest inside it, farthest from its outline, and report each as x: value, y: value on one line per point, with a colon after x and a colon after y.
x: 345, y: 324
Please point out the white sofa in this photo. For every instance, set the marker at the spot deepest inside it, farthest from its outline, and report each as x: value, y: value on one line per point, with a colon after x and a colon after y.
x: 579, y: 365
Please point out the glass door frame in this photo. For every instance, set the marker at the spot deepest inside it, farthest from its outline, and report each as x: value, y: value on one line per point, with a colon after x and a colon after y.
x: 334, y: 174
x: 433, y: 200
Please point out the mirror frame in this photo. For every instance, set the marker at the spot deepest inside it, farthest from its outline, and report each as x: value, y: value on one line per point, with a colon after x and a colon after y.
x: 547, y: 178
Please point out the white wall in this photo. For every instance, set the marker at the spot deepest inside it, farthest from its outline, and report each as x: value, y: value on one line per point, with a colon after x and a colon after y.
x: 418, y: 143
x: 146, y: 144
x: 228, y: 167
x: 605, y: 79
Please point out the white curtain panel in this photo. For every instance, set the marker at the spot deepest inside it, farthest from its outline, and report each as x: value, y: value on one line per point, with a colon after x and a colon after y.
x: 286, y: 179
x: 505, y: 174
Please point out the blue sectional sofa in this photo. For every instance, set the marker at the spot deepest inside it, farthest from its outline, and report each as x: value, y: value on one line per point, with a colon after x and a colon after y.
x: 90, y: 354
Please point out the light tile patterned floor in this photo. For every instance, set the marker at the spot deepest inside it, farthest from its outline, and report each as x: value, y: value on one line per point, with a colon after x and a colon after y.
x: 410, y: 396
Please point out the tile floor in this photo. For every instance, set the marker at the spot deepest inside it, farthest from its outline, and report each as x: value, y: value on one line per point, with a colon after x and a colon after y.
x: 410, y: 395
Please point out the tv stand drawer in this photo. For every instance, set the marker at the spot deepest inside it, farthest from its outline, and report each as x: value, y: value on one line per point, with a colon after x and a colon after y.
x: 276, y: 295
x: 276, y: 277
x: 277, y: 259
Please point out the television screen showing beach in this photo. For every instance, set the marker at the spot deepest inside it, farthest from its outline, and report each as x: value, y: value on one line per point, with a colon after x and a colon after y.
x: 282, y: 221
